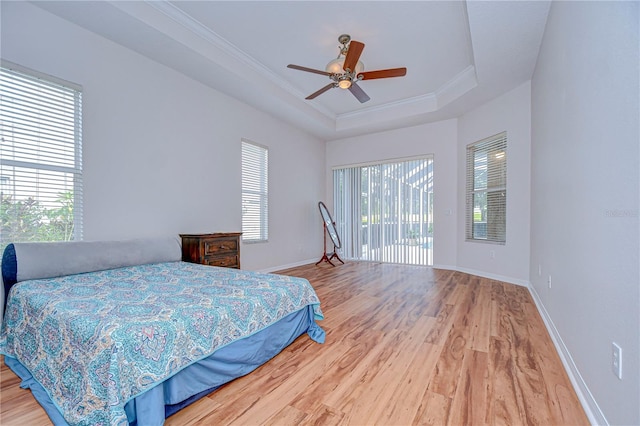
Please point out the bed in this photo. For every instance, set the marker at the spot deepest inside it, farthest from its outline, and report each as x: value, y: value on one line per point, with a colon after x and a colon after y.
x: 125, y: 333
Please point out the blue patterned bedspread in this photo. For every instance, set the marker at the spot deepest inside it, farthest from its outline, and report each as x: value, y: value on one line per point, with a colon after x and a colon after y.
x: 96, y: 340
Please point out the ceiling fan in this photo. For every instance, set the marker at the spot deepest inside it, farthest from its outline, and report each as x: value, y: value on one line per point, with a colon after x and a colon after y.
x: 346, y: 70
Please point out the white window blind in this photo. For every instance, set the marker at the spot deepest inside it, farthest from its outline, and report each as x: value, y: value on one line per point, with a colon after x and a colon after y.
x: 384, y: 211
x: 255, y: 197
x: 486, y: 203
x: 40, y: 157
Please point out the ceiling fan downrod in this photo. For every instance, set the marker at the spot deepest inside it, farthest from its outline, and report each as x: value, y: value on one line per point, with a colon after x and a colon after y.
x: 344, y: 39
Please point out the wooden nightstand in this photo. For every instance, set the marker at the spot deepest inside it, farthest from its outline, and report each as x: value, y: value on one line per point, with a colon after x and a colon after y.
x: 218, y: 249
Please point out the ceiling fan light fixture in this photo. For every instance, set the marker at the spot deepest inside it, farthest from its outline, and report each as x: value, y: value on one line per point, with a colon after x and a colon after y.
x: 336, y: 66
x: 344, y: 83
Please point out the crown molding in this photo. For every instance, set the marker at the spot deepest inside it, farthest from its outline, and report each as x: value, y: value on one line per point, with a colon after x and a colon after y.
x: 174, y: 23
x: 463, y: 82
x: 460, y: 84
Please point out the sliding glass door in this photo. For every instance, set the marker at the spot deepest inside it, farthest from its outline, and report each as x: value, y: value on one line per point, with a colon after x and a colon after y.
x: 384, y: 211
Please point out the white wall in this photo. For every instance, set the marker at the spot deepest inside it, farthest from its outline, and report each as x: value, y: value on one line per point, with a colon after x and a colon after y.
x: 161, y: 152
x: 510, y: 112
x: 585, y: 196
x: 438, y: 139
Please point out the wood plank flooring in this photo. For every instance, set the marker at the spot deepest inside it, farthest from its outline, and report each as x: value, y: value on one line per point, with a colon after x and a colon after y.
x: 405, y: 345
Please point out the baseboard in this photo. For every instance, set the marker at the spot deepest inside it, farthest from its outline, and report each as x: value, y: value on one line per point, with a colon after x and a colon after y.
x: 447, y: 267
x: 591, y: 408
x: 484, y: 274
x: 287, y: 266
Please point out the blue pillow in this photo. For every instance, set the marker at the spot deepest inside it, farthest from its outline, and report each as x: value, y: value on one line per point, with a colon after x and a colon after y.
x: 9, y: 270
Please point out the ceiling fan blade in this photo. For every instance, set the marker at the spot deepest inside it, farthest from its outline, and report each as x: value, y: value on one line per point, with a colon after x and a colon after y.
x: 353, y: 55
x: 321, y: 91
x: 299, y: 68
x: 393, y: 72
x: 359, y: 93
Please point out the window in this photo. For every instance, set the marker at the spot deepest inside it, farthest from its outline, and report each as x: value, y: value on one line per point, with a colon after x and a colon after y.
x: 255, y: 200
x: 384, y: 211
x: 486, y: 212
x: 40, y: 157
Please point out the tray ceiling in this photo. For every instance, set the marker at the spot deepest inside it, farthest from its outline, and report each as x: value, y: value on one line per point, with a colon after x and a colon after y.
x: 458, y: 55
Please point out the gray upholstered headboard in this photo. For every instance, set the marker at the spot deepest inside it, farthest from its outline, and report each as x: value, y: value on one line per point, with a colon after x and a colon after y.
x: 28, y: 261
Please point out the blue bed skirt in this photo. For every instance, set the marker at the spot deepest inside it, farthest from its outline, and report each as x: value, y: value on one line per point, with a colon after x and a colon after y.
x: 227, y: 363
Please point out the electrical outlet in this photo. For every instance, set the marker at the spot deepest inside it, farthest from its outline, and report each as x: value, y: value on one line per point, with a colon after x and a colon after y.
x: 540, y: 270
x: 492, y: 254
x: 616, y: 357
x: 549, y: 281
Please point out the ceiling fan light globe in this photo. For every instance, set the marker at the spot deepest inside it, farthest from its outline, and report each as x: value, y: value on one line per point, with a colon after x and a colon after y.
x: 344, y: 84
x: 335, y: 66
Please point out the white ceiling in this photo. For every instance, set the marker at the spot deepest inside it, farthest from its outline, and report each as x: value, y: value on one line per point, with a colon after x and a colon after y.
x: 458, y: 54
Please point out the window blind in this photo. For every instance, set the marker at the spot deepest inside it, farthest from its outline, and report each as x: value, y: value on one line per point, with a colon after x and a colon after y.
x: 255, y: 199
x: 40, y: 157
x: 486, y: 193
x: 384, y: 211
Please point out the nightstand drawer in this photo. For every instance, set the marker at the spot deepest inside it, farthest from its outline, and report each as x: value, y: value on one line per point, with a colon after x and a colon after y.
x: 230, y: 261
x: 220, y: 246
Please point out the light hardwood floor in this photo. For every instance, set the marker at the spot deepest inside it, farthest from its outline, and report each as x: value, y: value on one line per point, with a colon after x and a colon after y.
x: 405, y: 345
